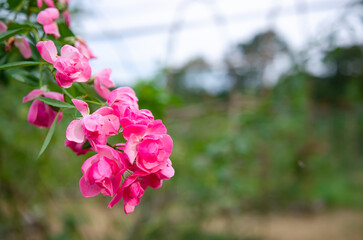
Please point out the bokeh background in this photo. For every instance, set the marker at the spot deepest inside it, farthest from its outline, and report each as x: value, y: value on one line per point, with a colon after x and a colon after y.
x: 264, y: 102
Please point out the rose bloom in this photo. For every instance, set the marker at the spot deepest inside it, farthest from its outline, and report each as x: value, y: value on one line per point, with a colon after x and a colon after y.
x: 71, y: 65
x: 122, y: 98
x: 95, y: 127
x: 103, y: 82
x: 47, y: 18
x: 40, y: 114
x: 102, y: 173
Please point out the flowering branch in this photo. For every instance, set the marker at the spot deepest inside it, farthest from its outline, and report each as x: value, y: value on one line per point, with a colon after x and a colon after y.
x: 123, y: 170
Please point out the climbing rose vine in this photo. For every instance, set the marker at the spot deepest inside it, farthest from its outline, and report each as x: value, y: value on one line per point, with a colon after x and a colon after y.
x: 122, y: 169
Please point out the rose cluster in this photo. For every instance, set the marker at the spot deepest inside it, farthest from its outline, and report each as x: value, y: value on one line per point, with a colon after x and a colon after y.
x: 121, y: 170
x: 142, y: 161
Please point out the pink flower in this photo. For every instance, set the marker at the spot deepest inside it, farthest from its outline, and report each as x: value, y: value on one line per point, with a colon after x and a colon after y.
x: 153, y: 152
x: 71, y: 66
x: 78, y: 148
x: 3, y: 27
x: 82, y: 47
x: 23, y: 46
x: 136, y: 117
x: 155, y: 180
x: 102, y: 172
x: 131, y: 191
x: 95, y: 127
x: 103, y: 82
x: 67, y: 17
x: 135, y: 133
x: 122, y: 98
x: 48, y: 2
x: 41, y: 114
x: 133, y: 187
x: 47, y: 18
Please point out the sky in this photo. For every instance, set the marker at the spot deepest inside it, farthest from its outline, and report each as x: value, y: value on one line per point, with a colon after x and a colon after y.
x: 135, y: 38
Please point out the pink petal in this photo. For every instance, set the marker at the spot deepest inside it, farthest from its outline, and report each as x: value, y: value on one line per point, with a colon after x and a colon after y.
x: 167, y: 172
x: 3, y: 27
x: 118, y: 94
x: 81, y: 106
x: 92, y: 122
x: 71, y: 52
x: 103, y: 82
x: 116, y: 198
x: 128, y: 208
x: 103, y: 77
x: 48, y: 16
x: 138, y: 130
x: 152, y: 180
x: 32, y: 95
x: 52, y: 12
x: 64, y: 83
x: 40, y: 3
x: 33, y: 112
x: 67, y: 17
x: 81, y: 45
x: 47, y: 50
x: 52, y: 29
x: 87, y: 189
x: 130, y: 148
x: 104, y: 111
x: 88, y: 163
x: 75, y: 132
x: 23, y: 46
x: 49, y: 3
x: 167, y: 143
x: 86, y: 70
x: 55, y: 95
x: 104, y: 168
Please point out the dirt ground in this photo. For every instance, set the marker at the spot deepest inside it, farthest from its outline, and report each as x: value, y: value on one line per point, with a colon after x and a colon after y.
x: 335, y: 225
x: 341, y: 224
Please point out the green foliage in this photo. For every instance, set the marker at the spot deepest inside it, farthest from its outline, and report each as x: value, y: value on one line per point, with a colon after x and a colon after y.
x: 55, y: 103
x: 49, y: 136
x: 19, y: 64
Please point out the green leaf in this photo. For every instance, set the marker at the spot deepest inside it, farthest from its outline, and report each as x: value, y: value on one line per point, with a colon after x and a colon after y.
x: 23, y: 76
x: 19, y: 64
x: 64, y: 30
x: 14, y: 3
x: 55, y: 102
x: 49, y: 136
x: 10, y: 33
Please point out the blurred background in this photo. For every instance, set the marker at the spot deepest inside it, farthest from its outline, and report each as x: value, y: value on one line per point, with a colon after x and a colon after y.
x: 264, y: 102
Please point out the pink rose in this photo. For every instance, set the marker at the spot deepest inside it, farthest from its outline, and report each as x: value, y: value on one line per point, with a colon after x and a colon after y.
x: 82, y: 47
x: 47, y: 18
x: 3, y: 27
x: 41, y: 114
x: 155, y: 180
x: 153, y: 152
x: 135, y: 133
x: 122, y: 98
x: 140, y: 117
x: 71, y: 65
x: 67, y: 17
x: 134, y: 186
x: 103, y: 82
x: 131, y: 191
x: 22, y: 44
x: 95, y: 127
x: 49, y: 3
x: 102, y: 173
